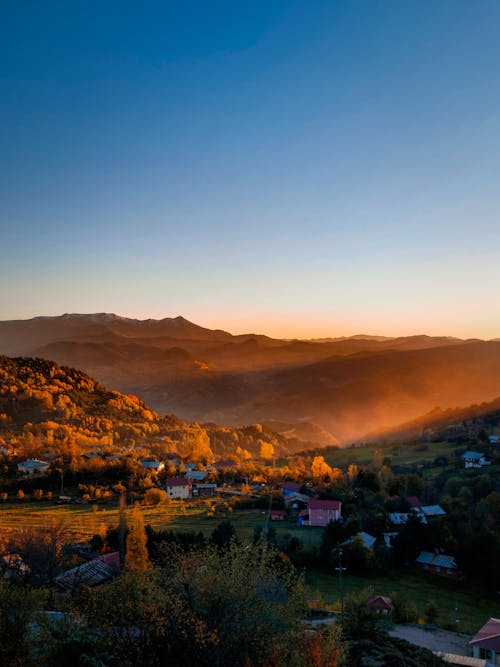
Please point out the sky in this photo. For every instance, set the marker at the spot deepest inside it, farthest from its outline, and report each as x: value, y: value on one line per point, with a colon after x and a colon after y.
x: 301, y: 169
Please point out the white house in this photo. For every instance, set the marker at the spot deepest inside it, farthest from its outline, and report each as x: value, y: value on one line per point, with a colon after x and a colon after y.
x: 178, y: 487
x: 32, y: 467
x: 474, y: 460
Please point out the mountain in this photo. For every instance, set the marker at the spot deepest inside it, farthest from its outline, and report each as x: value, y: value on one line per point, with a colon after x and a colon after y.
x: 438, y: 424
x: 44, y: 406
x: 347, y: 386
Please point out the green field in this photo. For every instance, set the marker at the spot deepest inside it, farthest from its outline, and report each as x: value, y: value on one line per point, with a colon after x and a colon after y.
x: 399, y: 454
x: 474, y: 608
x: 83, y: 521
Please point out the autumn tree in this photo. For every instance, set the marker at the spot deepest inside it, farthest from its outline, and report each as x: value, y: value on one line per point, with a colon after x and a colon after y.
x: 320, y: 468
x: 137, y: 558
x: 266, y: 450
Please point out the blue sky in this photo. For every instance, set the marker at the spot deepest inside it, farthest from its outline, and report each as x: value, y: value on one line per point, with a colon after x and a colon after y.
x: 296, y: 168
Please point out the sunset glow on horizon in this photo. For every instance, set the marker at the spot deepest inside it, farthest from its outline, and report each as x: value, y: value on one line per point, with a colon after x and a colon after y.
x: 295, y: 170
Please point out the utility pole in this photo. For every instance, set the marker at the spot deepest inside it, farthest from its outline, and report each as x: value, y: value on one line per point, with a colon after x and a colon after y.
x: 341, y: 570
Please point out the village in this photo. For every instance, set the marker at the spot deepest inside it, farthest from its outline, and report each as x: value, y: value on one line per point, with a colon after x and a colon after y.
x: 376, y: 523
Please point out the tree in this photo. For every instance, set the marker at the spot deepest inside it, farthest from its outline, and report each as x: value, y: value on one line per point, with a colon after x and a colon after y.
x: 223, y: 534
x: 431, y: 612
x: 320, y: 468
x: 155, y: 496
x: 266, y: 450
x: 137, y: 558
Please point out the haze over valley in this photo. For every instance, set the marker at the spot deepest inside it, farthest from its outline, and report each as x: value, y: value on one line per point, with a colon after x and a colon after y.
x: 351, y: 388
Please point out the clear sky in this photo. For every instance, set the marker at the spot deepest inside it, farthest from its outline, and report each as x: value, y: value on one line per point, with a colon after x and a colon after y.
x: 313, y: 168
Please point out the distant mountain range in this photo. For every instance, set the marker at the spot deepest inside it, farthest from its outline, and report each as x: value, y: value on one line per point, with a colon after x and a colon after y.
x: 348, y: 387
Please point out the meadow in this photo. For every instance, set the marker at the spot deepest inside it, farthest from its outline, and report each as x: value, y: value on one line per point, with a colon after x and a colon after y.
x: 455, y: 599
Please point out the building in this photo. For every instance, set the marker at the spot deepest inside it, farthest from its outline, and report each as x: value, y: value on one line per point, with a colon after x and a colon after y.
x: 382, y: 604
x: 290, y: 487
x: 178, y: 487
x: 157, y: 466
x: 278, y: 515
x: 494, y: 439
x: 431, y: 512
x: 367, y: 540
x: 92, y: 573
x: 204, y: 489
x: 441, y: 564
x: 33, y: 467
x: 474, y: 460
x: 196, y: 475
x: 320, y: 513
x: 486, y: 643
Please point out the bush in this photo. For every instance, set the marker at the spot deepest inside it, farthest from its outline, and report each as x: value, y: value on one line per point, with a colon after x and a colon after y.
x: 155, y: 496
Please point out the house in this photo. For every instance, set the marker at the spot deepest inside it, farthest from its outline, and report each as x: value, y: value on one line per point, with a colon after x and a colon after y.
x: 178, y: 487
x: 494, y: 439
x: 92, y: 573
x: 475, y: 460
x: 290, y: 487
x: 431, y: 512
x: 320, y: 512
x: 382, y: 604
x: 296, y: 500
x: 414, y: 501
x: 173, y: 458
x: 190, y: 466
x: 278, y: 515
x: 486, y: 643
x: 400, y: 518
x: 33, y: 467
x: 204, y: 489
x: 196, y: 475
x: 438, y: 563
x: 367, y: 540
x: 389, y: 539
x: 157, y: 466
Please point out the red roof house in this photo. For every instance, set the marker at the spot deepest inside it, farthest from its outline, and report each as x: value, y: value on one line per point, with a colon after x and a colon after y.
x: 321, y: 512
x: 278, y: 515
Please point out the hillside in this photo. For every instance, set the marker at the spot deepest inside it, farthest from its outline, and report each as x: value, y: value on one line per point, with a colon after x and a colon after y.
x: 45, y: 405
x: 349, y: 386
x: 453, y: 423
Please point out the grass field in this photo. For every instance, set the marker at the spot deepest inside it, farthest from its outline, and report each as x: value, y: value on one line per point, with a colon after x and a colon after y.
x: 474, y: 608
x: 399, y: 454
x: 83, y: 521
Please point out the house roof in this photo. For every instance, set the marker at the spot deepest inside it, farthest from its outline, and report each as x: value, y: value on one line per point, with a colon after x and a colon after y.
x: 414, y: 501
x: 436, y: 560
x: 462, y: 660
x: 432, y: 510
x: 304, y: 513
x: 92, y: 573
x: 154, y: 465
x: 381, y: 601
x: 32, y: 463
x: 278, y: 513
x: 196, y: 474
x: 290, y: 486
x: 177, y: 481
x: 488, y: 636
x: 324, y: 505
x: 367, y: 539
x: 475, y: 456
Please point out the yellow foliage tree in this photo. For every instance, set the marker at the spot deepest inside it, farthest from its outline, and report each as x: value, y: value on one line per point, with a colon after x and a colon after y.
x: 137, y: 558
x: 319, y: 467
